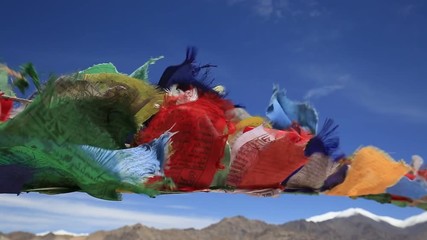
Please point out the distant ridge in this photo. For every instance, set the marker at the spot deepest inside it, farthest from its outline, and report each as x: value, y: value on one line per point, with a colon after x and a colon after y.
x: 354, y: 223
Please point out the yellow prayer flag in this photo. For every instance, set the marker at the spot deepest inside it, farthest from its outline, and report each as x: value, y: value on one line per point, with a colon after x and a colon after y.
x: 372, y: 171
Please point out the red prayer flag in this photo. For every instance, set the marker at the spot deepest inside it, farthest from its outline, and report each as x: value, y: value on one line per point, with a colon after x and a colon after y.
x: 5, y: 108
x: 198, y: 146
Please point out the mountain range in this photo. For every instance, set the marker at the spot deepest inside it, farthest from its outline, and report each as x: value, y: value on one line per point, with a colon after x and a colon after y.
x: 349, y: 224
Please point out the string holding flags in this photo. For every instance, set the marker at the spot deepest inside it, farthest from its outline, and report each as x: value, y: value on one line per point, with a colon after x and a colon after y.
x: 106, y: 133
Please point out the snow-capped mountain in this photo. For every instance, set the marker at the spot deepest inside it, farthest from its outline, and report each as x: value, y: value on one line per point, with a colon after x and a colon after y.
x: 411, y: 221
x: 63, y: 232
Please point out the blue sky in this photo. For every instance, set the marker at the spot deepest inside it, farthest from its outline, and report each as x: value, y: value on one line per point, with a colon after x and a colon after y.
x: 362, y: 63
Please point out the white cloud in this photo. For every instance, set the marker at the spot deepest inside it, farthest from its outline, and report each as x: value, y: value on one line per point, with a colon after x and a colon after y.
x: 51, y: 213
x: 322, y: 91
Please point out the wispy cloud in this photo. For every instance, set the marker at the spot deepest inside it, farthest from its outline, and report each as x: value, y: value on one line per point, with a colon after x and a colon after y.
x: 265, y: 8
x: 322, y: 91
x: 315, y: 13
x: 383, y: 101
x: 181, y: 207
x: 280, y: 8
x: 407, y: 9
x: 363, y: 92
x: 51, y: 213
x: 233, y: 2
